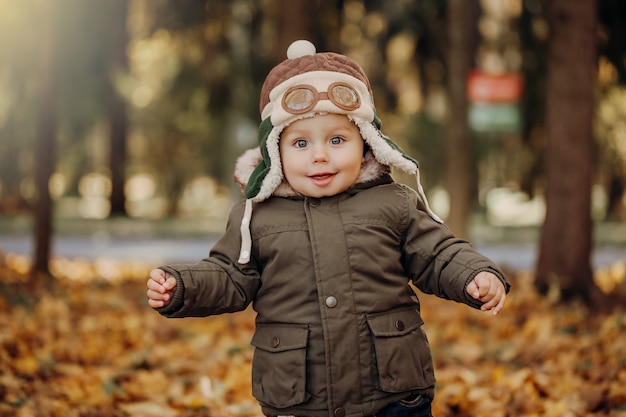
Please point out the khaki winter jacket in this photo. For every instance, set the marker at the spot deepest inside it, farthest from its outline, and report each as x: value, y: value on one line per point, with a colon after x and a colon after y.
x: 338, y: 329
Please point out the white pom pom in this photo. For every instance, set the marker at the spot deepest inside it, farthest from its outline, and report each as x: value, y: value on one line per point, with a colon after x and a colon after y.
x: 300, y: 48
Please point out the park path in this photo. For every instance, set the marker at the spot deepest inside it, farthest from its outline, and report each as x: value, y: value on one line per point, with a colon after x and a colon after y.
x: 518, y: 256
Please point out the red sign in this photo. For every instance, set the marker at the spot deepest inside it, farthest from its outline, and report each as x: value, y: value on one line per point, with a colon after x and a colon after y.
x: 484, y: 87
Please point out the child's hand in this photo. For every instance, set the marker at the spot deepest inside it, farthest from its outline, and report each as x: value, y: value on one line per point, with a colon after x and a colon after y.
x: 161, y: 288
x: 487, y: 288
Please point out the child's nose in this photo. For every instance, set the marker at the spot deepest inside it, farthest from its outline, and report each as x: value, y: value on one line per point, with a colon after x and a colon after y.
x: 320, y: 154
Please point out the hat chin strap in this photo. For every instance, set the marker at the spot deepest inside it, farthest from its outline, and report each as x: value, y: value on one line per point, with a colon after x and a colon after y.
x: 422, y: 195
x: 246, y: 239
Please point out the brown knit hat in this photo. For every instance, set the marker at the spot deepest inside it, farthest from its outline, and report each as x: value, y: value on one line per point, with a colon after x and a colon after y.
x: 304, y: 85
x: 304, y: 66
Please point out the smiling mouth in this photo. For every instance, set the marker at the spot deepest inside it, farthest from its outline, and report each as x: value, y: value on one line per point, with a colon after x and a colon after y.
x: 322, y: 179
x: 322, y: 175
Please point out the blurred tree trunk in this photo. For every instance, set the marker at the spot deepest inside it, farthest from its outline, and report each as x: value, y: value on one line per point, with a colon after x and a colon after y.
x: 296, y: 22
x: 564, y: 258
x: 45, y: 143
x: 117, y: 107
x: 615, y: 208
x: 533, y: 100
x: 459, y: 172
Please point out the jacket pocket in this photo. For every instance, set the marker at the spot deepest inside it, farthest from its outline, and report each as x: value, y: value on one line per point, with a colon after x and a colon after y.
x: 403, y: 358
x: 279, y: 364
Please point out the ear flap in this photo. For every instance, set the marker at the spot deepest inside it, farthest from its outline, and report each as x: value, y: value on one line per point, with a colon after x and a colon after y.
x: 378, y: 124
x: 260, y: 172
x: 389, y: 153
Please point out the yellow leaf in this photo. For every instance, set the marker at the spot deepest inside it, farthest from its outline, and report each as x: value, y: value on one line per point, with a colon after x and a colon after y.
x: 148, y: 409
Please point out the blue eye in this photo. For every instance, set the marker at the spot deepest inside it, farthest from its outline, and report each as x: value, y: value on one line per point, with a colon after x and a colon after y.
x: 300, y: 143
x: 336, y: 140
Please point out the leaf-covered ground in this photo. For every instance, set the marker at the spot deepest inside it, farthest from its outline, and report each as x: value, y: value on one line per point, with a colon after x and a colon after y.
x: 94, y: 348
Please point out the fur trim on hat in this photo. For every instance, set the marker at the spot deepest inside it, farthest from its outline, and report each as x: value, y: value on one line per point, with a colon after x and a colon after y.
x: 371, y: 170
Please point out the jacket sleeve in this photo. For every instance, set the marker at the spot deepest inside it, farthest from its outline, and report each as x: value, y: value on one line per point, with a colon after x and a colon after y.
x: 440, y: 263
x: 217, y: 284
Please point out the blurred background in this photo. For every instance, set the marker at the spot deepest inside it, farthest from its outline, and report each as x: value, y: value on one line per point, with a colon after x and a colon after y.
x: 124, y: 118
x: 120, y: 123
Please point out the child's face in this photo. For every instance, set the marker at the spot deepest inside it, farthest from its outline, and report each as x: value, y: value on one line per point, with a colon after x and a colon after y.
x: 321, y: 155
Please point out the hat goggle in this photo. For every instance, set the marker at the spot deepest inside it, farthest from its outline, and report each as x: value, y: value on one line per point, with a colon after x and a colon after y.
x: 302, y: 98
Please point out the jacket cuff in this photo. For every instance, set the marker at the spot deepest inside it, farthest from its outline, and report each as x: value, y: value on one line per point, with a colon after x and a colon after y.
x: 471, y: 301
x: 177, y: 300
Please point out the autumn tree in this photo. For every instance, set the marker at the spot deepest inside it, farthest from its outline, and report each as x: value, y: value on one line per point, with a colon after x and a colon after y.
x: 45, y: 141
x: 459, y: 175
x: 296, y: 22
x: 118, y: 120
x: 612, y: 14
x: 565, y: 248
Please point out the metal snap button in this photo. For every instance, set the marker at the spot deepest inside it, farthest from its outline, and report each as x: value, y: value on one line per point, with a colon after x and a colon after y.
x: 340, y: 412
x: 315, y: 202
x: 399, y: 325
x: 331, y: 301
